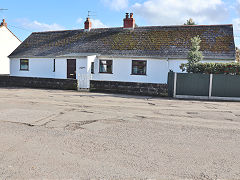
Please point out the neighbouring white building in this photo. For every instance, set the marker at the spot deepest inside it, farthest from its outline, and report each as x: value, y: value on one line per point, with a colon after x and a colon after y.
x: 8, y: 43
x: 124, y: 54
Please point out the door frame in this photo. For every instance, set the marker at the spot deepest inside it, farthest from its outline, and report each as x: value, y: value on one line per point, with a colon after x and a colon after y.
x: 67, y: 68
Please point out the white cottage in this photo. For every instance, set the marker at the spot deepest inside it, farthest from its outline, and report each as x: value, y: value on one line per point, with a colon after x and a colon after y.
x: 8, y: 43
x: 123, y: 54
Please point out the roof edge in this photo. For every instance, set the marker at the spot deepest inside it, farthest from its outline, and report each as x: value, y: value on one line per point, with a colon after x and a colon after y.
x: 166, y: 26
x: 118, y: 56
x: 11, y: 32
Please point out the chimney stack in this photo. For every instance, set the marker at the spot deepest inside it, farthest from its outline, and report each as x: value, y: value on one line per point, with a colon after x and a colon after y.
x: 3, y: 23
x: 87, y: 24
x: 129, y: 22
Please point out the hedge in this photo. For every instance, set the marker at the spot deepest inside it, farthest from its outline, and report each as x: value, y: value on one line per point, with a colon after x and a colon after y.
x: 213, y: 68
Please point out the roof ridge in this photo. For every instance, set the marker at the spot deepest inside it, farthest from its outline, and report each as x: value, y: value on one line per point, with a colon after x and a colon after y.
x: 77, y: 30
x: 140, y: 27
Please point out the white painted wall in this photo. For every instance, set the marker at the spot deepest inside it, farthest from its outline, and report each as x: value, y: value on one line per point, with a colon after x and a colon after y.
x: 157, y: 71
x: 174, y: 65
x: 40, y: 67
x: 61, y: 68
x: 8, y: 43
x: 83, y: 65
x: 90, y: 60
x: 43, y: 67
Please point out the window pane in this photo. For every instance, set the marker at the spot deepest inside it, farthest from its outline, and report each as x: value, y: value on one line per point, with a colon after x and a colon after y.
x: 109, y: 68
x: 135, y: 69
x: 139, y: 67
x: 54, y: 65
x: 105, y: 66
x: 24, y: 64
x: 92, y: 67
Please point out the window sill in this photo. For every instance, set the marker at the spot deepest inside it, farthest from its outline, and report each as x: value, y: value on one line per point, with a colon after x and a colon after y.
x: 105, y: 73
x: 138, y: 74
x: 23, y: 70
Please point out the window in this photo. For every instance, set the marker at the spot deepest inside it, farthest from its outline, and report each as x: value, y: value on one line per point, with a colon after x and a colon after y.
x: 92, y: 67
x: 24, y: 64
x: 105, y: 66
x: 139, y: 67
x: 54, y: 65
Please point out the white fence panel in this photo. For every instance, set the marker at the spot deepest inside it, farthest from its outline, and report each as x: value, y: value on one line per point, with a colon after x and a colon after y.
x: 84, y: 81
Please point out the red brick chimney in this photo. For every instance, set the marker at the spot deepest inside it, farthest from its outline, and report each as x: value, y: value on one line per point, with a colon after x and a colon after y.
x: 129, y: 22
x: 87, y: 25
x: 3, y: 23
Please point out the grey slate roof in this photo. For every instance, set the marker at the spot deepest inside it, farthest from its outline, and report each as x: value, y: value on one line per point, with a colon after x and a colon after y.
x: 151, y: 41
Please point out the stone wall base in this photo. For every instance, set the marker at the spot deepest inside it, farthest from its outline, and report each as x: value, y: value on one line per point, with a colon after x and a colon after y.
x: 145, y: 89
x: 32, y: 82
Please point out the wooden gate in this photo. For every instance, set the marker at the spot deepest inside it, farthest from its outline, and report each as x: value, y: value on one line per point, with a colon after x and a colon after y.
x: 84, y: 81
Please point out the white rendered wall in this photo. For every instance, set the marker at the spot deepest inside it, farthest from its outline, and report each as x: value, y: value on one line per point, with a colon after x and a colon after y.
x: 90, y: 60
x: 40, y: 67
x: 8, y: 43
x: 157, y: 71
x: 83, y: 65
x: 60, y: 69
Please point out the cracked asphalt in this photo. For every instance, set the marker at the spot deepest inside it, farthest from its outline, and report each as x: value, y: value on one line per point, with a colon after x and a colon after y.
x: 51, y: 134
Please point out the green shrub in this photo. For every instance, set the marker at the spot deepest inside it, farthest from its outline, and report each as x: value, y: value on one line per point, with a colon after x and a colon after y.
x: 212, y: 68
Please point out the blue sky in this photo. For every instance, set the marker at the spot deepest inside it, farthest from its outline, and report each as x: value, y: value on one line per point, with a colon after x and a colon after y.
x: 26, y: 16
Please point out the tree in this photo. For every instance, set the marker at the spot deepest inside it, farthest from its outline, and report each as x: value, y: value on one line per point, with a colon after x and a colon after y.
x: 190, y: 22
x: 237, y: 54
x: 194, y: 55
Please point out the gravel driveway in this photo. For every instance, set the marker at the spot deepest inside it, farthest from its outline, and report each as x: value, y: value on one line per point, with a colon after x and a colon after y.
x: 50, y: 134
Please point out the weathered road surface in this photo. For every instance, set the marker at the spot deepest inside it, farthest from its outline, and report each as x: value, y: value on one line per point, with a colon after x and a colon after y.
x: 49, y: 134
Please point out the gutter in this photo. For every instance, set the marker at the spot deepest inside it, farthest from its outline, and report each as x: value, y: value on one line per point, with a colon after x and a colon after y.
x: 119, y: 56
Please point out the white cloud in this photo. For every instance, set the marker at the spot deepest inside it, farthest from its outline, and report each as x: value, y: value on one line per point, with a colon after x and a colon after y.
x: 116, y: 4
x: 79, y: 20
x: 39, y: 26
x: 96, y: 23
x: 165, y: 12
x: 238, y: 6
x: 236, y: 27
x: 236, y: 23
